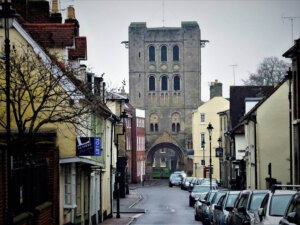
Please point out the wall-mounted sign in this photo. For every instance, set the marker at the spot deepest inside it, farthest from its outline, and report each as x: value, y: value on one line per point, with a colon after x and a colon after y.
x: 219, y: 152
x: 88, y: 146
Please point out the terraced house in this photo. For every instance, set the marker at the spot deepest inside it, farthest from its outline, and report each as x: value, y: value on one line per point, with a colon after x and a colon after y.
x: 62, y: 142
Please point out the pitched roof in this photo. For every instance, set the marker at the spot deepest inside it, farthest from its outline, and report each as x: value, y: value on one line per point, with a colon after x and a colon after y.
x: 237, y: 99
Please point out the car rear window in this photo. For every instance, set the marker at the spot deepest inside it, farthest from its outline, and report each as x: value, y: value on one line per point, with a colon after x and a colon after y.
x: 201, y: 189
x: 256, y: 201
x: 279, y: 204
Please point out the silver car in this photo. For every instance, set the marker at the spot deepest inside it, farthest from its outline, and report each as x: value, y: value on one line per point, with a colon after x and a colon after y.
x: 273, y: 207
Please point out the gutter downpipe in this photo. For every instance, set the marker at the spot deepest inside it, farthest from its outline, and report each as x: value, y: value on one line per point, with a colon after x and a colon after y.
x: 111, y: 166
x: 289, y: 77
x: 255, y: 150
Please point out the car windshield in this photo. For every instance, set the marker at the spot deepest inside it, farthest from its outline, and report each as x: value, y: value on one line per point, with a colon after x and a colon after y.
x: 218, y: 196
x: 188, y: 179
x: 256, y: 201
x: 231, y: 199
x: 201, y: 189
x: 279, y: 204
x: 176, y: 178
x: 212, y: 194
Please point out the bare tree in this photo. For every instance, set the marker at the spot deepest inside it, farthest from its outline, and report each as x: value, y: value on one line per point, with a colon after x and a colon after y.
x: 271, y: 70
x: 42, y: 94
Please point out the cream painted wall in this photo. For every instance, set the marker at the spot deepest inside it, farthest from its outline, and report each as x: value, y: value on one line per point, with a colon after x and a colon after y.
x: 249, y: 158
x: 273, y: 137
x: 210, y: 109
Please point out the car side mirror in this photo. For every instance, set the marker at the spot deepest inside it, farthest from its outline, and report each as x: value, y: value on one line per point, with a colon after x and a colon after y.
x: 207, y: 203
x: 229, y: 208
x: 218, y: 207
x: 242, y: 209
x: 291, y: 217
x: 260, y: 213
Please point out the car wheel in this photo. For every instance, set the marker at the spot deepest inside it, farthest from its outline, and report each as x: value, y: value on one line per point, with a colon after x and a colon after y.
x: 170, y: 185
x: 191, y: 203
x: 197, y: 218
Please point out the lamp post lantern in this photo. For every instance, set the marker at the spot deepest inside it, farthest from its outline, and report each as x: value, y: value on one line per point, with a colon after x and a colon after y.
x: 7, y: 16
x: 210, y: 128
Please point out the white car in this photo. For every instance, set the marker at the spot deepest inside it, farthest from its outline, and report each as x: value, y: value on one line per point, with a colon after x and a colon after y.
x: 272, y: 207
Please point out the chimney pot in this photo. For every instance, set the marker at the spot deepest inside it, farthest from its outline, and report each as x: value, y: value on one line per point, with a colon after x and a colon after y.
x: 54, y: 6
x: 71, y: 12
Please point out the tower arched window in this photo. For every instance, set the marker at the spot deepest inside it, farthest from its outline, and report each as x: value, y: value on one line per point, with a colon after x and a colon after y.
x: 176, y: 83
x: 164, y: 54
x: 151, y: 83
x: 175, y: 53
x: 151, y: 53
x: 153, y: 122
x: 164, y: 83
x: 175, y: 122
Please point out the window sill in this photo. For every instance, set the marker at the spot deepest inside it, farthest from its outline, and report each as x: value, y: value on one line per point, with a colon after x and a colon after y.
x: 43, y: 206
x: 22, y: 217
x: 70, y: 206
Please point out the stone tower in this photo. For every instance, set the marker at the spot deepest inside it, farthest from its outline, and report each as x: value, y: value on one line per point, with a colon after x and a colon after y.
x: 165, y: 78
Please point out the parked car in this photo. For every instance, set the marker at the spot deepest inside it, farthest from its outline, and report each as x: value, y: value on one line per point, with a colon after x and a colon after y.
x: 220, y: 212
x: 292, y: 213
x: 198, y: 205
x: 220, y: 194
x: 247, y: 203
x: 207, y: 181
x: 186, y: 183
x: 182, y: 173
x: 273, y: 207
x: 175, y: 180
x: 194, y: 181
x: 197, y: 190
x: 205, y: 206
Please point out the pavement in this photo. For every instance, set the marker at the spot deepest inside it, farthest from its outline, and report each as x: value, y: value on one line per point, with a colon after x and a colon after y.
x: 128, y: 212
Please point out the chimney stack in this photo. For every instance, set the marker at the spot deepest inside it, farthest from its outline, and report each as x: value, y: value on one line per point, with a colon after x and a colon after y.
x: 55, y: 14
x: 215, y: 89
x: 72, y: 19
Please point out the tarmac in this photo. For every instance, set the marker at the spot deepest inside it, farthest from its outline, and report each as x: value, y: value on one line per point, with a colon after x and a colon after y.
x: 127, y: 210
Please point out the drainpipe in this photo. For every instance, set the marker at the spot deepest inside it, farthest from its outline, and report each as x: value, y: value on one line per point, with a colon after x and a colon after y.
x: 113, y: 123
x: 255, y: 151
x: 289, y: 78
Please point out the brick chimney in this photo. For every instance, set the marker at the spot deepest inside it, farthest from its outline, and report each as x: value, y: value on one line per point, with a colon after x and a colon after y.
x: 215, y: 89
x: 38, y: 11
x: 72, y: 19
x: 55, y: 14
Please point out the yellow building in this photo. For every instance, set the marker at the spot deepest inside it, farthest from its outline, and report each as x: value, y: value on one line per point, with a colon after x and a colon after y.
x: 205, y: 114
x: 267, y: 140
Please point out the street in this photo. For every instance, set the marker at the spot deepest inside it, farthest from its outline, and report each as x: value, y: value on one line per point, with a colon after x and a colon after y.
x: 165, y: 205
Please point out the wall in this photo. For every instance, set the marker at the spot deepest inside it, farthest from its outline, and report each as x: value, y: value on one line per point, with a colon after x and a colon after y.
x: 273, y: 137
x: 210, y: 109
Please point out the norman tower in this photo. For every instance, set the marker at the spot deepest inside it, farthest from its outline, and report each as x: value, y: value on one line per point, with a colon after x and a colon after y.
x: 165, y: 80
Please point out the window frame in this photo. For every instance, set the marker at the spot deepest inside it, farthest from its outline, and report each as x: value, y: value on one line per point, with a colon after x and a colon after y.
x: 164, y: 53
x: 176, y: 54
x: 164, y: 83
x: 151, y: 55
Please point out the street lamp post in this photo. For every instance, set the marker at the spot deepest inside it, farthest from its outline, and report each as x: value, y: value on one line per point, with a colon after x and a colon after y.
x: 210, y: 128
x: 220, y: 157
x: 7, y: 16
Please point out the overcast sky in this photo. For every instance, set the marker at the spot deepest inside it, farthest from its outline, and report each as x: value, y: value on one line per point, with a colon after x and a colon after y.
x: 240, y: 32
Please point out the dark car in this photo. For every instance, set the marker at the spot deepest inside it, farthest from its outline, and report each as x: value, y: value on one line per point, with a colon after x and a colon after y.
x: 195, y: 193
x: 248, y: 202
x: 220, y: 194
x: 186, y: 183
x: 292, y: 213
x: 193, y: 182
x: 198, y: 205
x: 220, y: 213
x: 204, y: 216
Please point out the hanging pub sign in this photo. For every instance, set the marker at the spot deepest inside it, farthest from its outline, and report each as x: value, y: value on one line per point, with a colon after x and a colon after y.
x: 219, y: 152
x: 88, y: 146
